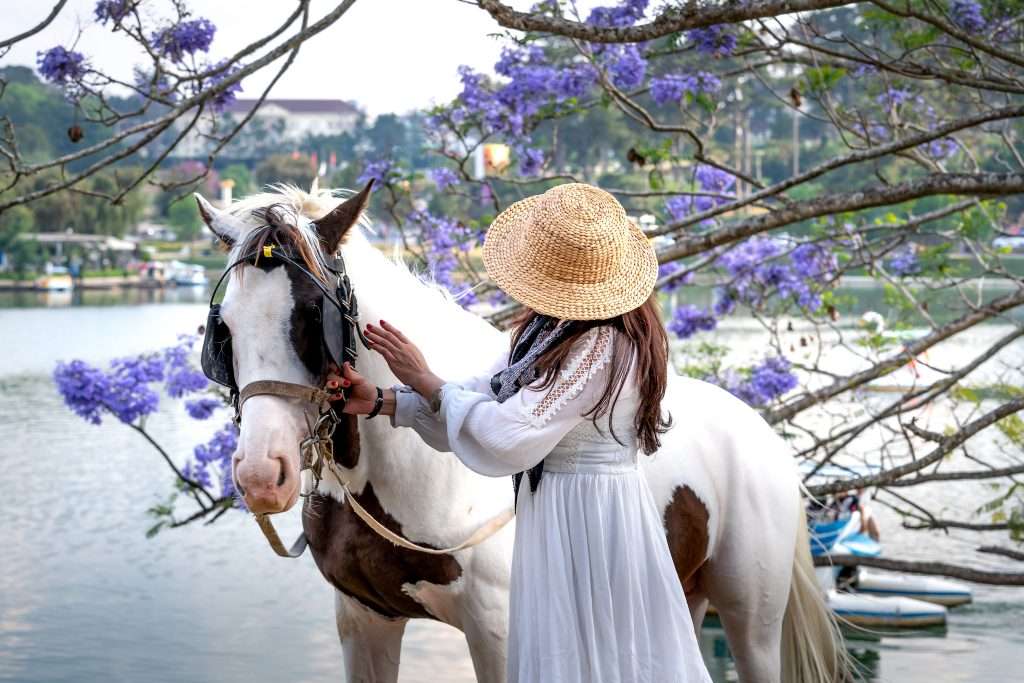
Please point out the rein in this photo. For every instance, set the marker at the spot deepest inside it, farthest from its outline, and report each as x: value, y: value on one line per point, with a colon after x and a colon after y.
x: 317, y: 449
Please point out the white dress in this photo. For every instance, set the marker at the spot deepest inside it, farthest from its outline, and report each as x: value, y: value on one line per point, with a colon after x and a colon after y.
x: 594, y: 597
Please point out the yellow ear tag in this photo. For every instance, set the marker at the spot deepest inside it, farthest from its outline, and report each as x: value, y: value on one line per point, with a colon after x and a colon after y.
x: 268, y: 250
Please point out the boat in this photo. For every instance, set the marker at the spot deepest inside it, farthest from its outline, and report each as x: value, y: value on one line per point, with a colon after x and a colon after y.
x: 187, y: 274
x: 56, y: 279
x: 891, y: 612
x: 931, y: 589
x: 887, y: 598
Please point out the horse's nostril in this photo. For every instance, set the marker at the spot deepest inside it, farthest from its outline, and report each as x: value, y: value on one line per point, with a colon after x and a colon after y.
x: 281, y: 477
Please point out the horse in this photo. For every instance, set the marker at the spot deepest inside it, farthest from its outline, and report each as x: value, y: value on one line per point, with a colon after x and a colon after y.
x: 724, y: 481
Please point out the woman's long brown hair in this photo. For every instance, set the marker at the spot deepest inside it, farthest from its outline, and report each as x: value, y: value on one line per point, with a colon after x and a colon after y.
x: 642, y: 342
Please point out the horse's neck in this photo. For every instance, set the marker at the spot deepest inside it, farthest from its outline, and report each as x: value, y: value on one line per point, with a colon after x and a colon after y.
x: 454, y: 342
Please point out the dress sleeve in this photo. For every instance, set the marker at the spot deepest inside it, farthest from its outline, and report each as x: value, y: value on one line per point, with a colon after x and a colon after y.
x: 498, y: 439
x: 413, y: 410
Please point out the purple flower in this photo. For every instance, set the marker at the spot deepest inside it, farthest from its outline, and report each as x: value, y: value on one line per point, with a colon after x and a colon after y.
x: 760, y: 267
x: 768, y: 381
x: 59, y: 65
x: 967, y: 15
x: 202, y: 408
x: 442, y: 238
x: 573, y: 82
x: 143, y: 369
x: 530, y: 161
x: 185, y: 38
x: 443, y: 177
x: 112, y: 10
x: 671, y: 268
x: 84, y: 389
x: 894, y: 97
x: 864, y: 70
x: 713, y: 179
x: 225, y: 97
x: 688, y: 320
x: 381, y: 171
x: 669, y: 89
x: 183, y: 381
x: 941, y: 148
x: 123, y: 392
x: 626, y: 13
x: 904, y: 262
x: 628, y: 67
x: 214, y: 457
x: 221, y: 446
x: 725, y: 302
x: 683, y: 205
x: 714, y: 40
x: 761, y: 384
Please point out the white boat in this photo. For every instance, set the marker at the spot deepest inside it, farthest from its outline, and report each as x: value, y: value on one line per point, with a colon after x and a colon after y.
x: 56, y: 279
x: 187, y: 274
x: 931, y: 589
x: 889, y: 612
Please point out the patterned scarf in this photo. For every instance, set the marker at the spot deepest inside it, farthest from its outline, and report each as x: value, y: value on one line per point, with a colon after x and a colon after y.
x: 540, y: 334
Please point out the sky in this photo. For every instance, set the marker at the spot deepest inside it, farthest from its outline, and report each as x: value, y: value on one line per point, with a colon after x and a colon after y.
x: 387, y: 55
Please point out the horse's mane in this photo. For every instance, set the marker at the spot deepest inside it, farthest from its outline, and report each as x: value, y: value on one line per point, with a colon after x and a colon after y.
x: 310, y: 205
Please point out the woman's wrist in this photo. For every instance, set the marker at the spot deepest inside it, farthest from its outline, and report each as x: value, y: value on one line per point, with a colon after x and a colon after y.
x: 427, y: 385
x: 390, y: 402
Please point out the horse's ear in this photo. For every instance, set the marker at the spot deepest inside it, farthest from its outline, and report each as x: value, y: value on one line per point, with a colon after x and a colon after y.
x: 314, y: 187
x: 225, y: 226
x: 333, y: 227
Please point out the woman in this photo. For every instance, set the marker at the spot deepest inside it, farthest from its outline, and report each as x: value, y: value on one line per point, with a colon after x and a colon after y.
x: 594, y: 597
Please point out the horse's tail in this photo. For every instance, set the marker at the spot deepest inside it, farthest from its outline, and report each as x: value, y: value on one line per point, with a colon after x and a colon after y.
x: 812, y: 644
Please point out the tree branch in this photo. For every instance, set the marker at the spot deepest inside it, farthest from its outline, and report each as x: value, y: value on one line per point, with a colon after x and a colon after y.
x: 927, y: 568
x: 671, y: 20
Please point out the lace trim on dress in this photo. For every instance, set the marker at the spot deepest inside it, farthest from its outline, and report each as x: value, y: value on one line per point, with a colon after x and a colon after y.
x: 593, y: 354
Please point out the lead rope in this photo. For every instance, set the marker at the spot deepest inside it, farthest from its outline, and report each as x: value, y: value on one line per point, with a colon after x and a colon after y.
x: 314, y: 458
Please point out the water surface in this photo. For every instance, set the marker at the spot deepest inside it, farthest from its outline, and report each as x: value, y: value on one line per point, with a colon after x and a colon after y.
x: 85, y: 597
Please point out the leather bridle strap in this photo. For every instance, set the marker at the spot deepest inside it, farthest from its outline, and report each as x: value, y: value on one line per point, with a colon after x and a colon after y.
x: 272, y: 387
x: 267, y: 527
x: 491, y: 527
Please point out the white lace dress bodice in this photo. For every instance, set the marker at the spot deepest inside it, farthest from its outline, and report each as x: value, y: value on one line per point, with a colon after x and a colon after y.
x: 594, y: 594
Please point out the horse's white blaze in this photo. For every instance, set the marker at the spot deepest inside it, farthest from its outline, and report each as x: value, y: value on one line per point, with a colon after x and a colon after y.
x: 257, y: 310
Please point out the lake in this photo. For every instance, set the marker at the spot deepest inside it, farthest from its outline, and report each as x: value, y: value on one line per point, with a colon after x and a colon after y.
x: 85, y: 597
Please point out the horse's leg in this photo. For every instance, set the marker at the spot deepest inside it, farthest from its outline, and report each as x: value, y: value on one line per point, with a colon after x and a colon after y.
x: 371, y: 643
x: 697, y: 601
x: 484, y: 621
x: 747, y: 580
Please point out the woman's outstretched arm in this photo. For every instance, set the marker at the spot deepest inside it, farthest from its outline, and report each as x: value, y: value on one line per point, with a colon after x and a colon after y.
x: 493, y: 438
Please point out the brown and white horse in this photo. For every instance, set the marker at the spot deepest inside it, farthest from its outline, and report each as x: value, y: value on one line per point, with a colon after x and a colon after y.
x: 725, y: 482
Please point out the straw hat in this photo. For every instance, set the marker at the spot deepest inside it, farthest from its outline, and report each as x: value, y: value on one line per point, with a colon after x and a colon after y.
x: 571, y: 253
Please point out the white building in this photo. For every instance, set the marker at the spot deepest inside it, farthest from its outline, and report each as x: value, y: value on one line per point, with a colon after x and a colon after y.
x: 277, y: 126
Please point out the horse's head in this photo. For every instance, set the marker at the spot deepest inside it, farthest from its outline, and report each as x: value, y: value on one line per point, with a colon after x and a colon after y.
x: 273, y: 307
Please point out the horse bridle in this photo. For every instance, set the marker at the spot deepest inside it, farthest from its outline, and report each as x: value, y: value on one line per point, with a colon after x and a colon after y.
x: 340, y: 322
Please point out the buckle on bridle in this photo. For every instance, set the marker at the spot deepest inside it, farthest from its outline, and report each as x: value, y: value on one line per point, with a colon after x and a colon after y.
x: 318, y: 446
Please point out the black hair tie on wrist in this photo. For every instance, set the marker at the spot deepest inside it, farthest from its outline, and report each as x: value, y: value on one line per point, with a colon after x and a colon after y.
x: 377, y: 405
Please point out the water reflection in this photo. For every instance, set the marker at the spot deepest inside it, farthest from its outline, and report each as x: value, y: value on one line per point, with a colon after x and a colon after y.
x: 103, y: 297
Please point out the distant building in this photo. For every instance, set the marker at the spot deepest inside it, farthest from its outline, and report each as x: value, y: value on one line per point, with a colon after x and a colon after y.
x: 277, y: 126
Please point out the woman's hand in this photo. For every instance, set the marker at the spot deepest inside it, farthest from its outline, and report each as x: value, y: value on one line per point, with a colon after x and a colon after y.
x: 361, y: 394
x: 403, y: 357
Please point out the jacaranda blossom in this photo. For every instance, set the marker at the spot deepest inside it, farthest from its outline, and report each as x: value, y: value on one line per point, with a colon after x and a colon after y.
x: 185, y: 38
x: 443, y: 177
x: 60, y: 65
